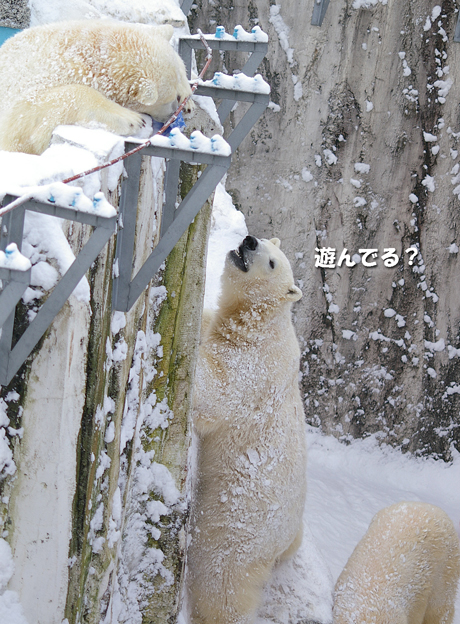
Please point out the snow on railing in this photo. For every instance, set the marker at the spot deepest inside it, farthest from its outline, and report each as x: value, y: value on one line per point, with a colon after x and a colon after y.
x: 13, y: 259
x: 257, y: 35
x: 61, y: 194
x: 238, y: 82
x: 216, y: 145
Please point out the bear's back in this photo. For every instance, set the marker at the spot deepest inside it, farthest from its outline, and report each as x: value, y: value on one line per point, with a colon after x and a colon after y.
x: 410, y: 552
x: 88, y: 52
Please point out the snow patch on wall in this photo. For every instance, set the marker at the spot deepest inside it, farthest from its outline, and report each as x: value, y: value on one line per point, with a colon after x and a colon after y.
x: 139, y: 561
x: 11, y: 611
x: 367, y: 4
x: 283, y: 30
x: 7, y: 465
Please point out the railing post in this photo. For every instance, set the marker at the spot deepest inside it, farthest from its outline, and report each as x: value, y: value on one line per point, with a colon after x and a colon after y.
x: 124, y: 251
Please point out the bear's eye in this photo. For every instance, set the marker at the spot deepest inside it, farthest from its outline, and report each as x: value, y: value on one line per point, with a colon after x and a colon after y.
x: 272, y: 264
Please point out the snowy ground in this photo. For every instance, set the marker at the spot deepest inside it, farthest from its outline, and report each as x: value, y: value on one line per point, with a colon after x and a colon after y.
x: 347, y: 485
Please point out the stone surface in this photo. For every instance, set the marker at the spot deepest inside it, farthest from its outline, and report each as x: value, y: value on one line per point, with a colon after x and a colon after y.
x: 14, y: 13
x: 374, y: 86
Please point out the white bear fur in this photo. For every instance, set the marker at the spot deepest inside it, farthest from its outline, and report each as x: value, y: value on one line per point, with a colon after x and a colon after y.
x: 405, y: 570
x: 89, y: 72
x: 251, y: 475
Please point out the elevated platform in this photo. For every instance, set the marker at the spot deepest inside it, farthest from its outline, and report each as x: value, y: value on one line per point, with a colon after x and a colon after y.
x: 127, y: 288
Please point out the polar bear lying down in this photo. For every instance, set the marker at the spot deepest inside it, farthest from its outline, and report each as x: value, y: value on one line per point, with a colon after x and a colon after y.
x: 405, y: 570
x: 89, y: 72
x: 250, y: 492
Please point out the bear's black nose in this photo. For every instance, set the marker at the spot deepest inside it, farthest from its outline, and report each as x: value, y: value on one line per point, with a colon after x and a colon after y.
x: 250, y: 242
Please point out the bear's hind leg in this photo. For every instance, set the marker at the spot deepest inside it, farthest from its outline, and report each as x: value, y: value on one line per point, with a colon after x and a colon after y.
x: 440, y: 613
x: 230, y: 597
x: 294, y: 547
x: 28, y: 125
x: 441, y: 601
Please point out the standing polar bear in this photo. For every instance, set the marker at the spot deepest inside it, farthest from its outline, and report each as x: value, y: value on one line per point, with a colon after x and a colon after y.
x: 90, y: 72
x: 251, y: 475
x: 405, y: 570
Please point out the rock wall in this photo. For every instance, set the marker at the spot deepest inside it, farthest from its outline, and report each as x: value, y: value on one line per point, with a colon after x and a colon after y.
x: 14, y: 13
x: 360, y: 150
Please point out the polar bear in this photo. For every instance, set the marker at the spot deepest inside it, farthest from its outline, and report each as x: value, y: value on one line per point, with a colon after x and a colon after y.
x: 405, y: 570
x: 249, y: 497
x: 89, y: 72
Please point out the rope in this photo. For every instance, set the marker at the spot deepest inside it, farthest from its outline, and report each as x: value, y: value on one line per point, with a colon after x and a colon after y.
x: 24, y: 198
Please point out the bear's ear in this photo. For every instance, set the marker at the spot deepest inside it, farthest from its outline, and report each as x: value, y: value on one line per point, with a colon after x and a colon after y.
x: 294, y: 293
x: 275, y: 241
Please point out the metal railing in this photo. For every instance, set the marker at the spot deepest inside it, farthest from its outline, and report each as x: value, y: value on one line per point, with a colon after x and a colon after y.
x: 174, y: 221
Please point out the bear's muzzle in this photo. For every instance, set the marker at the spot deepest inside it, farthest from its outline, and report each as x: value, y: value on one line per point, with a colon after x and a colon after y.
x: 241, y: 257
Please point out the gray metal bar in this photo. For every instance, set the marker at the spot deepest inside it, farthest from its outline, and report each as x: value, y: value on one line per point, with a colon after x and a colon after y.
x: 12, y: 225
x: 15, y: 275
x: 191, y: 156
x: 61, y: 212
x: 226, y: 44
x: 12, y: 229
x: 457, y: 30
x: 185, y: 214
x: 124, y: 250
x: 5, y: 346
x: 229, y: 96
x: 16, y: 285
x: 185, y: 52
x: 253, y: 62
x: 185, y: 6
x: 245, y: 125
x: 232, y: 94
x: 199, y: 193
x: 89, y: 218
x: 171, y: 184
x: 319, y: 11
x: 57, y: 298
x: 224, y: 109
x: 257, y: 50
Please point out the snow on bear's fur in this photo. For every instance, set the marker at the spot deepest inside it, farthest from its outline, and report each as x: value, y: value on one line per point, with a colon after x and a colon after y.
x: 251, y: 466
x: 89, y: 72
x: 405, y: 570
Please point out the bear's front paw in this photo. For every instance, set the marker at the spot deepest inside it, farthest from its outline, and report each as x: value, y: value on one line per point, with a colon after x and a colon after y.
x: 128, y: 122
